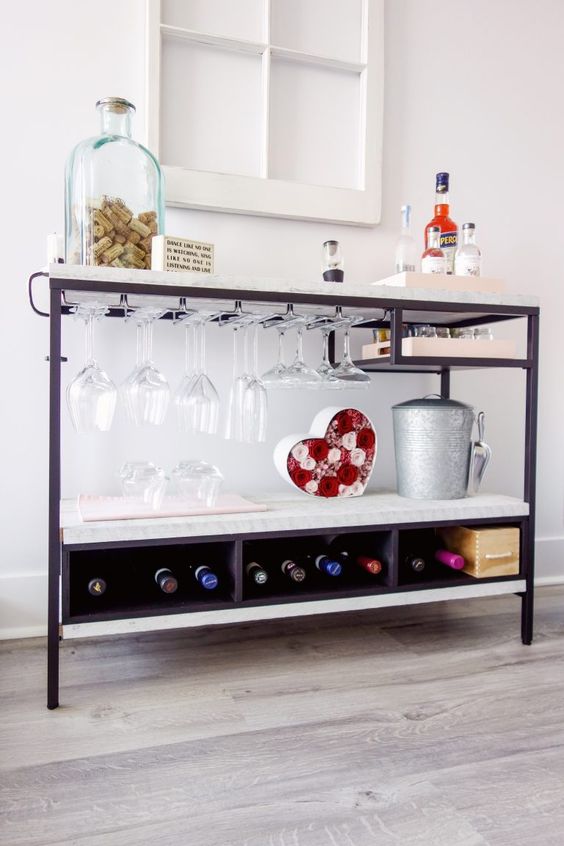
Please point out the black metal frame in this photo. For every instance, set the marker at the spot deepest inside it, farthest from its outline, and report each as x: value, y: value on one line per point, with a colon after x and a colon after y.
x: 465, y: 314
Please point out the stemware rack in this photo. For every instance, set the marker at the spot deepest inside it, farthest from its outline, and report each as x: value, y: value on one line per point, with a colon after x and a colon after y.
x: 382, y: 521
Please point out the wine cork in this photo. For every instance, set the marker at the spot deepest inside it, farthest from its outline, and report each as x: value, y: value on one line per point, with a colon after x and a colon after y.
x: 138, y: 226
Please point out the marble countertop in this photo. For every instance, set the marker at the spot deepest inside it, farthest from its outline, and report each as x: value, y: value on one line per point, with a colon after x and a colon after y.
x: 292, y: 512
x: 367, y: 290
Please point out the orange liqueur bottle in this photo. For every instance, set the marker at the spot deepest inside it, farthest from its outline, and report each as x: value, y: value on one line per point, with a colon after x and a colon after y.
x: 447, y: 227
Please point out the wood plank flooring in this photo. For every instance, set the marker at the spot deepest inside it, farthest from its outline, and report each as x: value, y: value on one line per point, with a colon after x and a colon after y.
x: 430, y: 725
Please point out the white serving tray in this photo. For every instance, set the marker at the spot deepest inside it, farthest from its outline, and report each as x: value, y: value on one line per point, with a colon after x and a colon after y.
x: 444, y: 281
x: 446, y: 348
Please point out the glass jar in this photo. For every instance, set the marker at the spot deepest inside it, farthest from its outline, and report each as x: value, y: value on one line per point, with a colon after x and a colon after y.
x: 114, y: 194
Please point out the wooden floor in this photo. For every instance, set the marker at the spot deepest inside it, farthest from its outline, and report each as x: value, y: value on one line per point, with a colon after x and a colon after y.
x: 428, y: 725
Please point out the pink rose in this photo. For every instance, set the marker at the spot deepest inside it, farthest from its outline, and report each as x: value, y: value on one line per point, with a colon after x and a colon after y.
x: 334, y: 455
x: 308, y: 464
x: 300, y: 452
x: 357, y: 489
x: 349, y: 440
x: 358, y: 457
x: 311, y: 487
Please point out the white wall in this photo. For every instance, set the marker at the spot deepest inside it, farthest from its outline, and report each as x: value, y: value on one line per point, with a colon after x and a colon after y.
x: 476, y: 92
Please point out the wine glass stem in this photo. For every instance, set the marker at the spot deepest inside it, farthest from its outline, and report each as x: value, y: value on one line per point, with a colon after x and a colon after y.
x: 149, y: 340
x: 235, y: 355
x: 188, y: 358
x: 347, y: 348
x: 139, y: 344
x: 326, y: 348
x: 300, y: 346
x: 254, y: 347
x: 281, y: 333
x: 246, y: 366
x: 202, y: 347
x: 90, y: 339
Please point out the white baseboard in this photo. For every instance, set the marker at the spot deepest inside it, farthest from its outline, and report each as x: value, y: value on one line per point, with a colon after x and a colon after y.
x: 23, y: 605
x: 23, y: 596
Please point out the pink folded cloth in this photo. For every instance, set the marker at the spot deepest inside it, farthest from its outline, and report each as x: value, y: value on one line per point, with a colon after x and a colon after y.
x: 94, y: 508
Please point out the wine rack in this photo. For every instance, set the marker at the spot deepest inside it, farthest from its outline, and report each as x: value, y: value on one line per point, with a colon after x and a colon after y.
x: 382, y: 525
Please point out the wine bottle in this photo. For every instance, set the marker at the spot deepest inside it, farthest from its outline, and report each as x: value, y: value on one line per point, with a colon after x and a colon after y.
x: 450, y: 559
x: 371, y: 565
x: 256, y: 573
x: 97, y: 586
x: 205, y: 577
x: 166, y: 580
x: 327, y: 565
x: 293, y: 571
x: 415, y: 563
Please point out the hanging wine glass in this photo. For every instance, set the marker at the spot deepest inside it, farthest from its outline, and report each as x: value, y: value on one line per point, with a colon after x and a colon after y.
x: 274, y: 378
x: 277, y: 376
x: 182, y: 393
x: 347, y: 371
x: 326, y: 370
x: 200, y: 400
x: 254, y: 409
x: 91, y: 396
x: 299, y: 374
x: 146, y: 392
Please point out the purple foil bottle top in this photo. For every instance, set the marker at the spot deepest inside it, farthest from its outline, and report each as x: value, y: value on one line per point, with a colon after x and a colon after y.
x: 451, y: 559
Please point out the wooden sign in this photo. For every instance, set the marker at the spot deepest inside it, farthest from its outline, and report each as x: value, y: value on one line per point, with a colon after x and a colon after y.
x: 170, y: 253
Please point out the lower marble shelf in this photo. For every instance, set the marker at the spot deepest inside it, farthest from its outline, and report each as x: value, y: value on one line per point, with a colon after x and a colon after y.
x: 248, y: 613
x: 292, y: 512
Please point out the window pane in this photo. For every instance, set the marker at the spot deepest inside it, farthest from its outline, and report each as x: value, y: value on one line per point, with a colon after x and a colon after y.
x: 210, y: 108
x: 241, y: 19
x: 314, y: 124
x: 324, y: 27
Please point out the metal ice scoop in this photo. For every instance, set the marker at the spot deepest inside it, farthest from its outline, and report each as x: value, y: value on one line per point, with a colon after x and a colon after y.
x: 480, y: 458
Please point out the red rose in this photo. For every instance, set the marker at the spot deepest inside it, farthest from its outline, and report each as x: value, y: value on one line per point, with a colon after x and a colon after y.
x: 347, y: 474
x: 329, y: 486
x: 301, y: 477
x: 319, y: 450
x: 366, y: 439
x: 344, y: 422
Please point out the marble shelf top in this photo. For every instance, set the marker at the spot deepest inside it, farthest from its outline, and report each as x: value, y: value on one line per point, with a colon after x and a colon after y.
x: 319, y: 288
x: 292, y: 512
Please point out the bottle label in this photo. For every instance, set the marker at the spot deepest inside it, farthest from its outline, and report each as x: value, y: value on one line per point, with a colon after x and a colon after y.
x: 403, y: 267
x: 433, y: 264
x: 449, y: 243
x: 468, y: 265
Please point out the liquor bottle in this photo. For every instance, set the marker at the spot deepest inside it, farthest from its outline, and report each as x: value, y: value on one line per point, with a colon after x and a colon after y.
x: 415, y: 563
x: 406, y: 251
x: 293, y: 571
x: 371, y: 565
x: 166, y: 580
x: 205, y: 577
x: 433, y: 259
x: 468, y: 258
x: 450, y: 559
x: 97, y: 586
x: 447, y: 227
x: 328, y: 565
x: 256, y: 573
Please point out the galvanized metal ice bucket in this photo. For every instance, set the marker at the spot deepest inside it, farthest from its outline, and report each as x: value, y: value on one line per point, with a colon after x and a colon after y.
x: 433, y: 445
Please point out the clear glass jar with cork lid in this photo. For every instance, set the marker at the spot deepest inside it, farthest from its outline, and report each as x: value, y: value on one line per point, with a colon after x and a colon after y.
x: 114, y: 194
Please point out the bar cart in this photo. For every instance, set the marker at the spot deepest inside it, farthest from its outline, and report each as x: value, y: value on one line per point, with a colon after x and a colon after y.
x: 386, y: 521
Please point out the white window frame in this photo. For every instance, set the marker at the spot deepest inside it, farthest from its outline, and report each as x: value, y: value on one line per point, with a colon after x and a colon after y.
x: 262, y: 195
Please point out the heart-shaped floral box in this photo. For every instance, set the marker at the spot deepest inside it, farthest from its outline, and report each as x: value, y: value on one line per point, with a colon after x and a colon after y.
x: 334, y: 459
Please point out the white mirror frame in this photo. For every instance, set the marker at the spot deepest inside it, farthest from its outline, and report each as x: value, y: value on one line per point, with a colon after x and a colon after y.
x: 262, y: 195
